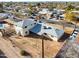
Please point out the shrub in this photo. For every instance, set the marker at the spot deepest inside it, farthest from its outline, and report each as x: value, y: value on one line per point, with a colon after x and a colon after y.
x: 23, y: 52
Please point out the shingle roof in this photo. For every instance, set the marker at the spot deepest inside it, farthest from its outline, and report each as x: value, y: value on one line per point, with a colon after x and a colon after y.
x: 24, y: 23
x: 39, y: 29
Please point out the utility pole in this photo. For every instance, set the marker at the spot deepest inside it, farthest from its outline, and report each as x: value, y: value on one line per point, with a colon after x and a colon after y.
x: 42, y: 47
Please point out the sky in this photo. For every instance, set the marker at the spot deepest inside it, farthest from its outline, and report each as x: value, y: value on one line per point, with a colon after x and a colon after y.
x: 36, y: 0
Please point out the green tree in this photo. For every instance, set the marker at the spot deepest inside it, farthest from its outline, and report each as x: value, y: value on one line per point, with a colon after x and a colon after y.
x: 70, y: 17
x: 70, y: 7
x: 1, y: 7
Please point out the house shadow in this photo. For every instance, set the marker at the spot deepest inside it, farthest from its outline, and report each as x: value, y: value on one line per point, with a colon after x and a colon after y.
x: 2, y: 55
x: 34, y: 35
x: 64, y: 37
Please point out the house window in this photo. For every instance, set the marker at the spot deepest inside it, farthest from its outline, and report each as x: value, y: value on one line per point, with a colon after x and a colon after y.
x: 45, y: 33
x: 52, y: 36
x: 34, y: 23
x: 45, y: 27
x: 49, y: 28
x: 35, y: 20
x: 31, y: 24
x: 25, y: 26
x: 40, y: 22
x: 26, y: 32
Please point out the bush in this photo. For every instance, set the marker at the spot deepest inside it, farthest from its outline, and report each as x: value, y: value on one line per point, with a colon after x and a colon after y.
x: 23, y: 52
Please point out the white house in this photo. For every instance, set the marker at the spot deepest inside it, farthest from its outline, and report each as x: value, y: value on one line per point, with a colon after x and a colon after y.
x: 4, y: 15
x: 46, y: 13
x: 47, y: 31
x: 75, y: 12
x: 23, y: 27
x: 38, y: 27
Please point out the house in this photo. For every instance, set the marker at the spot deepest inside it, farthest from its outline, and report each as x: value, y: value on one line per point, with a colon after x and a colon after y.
x: 62, y: 16
x: 23, y: 27
x: 58, y: 11
x: 38, y: 27
x: 46, y: 13
x: 76, y: 12
x: 3, y: 15
x: 52, y: 20
x: 47, y: 31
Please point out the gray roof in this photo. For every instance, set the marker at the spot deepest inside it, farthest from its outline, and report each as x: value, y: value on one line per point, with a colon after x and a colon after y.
x: 39, y: 29
x: 3, y: 14
x: 24, y: 23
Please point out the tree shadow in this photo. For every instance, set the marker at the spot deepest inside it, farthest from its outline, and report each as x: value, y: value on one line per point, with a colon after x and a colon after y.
x: 28, y: 55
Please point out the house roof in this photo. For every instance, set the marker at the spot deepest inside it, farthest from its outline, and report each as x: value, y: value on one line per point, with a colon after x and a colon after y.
x: 45, y: 11
x: 39, y: 29
x: 24, y: 23
x: 52, y: 20
x: 75, y: 11
x: 3, y: 14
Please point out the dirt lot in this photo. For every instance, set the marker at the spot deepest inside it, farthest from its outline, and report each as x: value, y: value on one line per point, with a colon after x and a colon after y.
x: 33, y: 44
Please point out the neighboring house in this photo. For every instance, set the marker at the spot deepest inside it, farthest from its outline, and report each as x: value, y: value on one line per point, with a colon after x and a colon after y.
x: 47, y: 31
x: 76, y: 12
x: 62, y: 16
x: 3, y: 15
x: 77, y: 18
x: 46, y: 13
x: 52, y: 20
x: 23, y: 27
x: 58, y: 11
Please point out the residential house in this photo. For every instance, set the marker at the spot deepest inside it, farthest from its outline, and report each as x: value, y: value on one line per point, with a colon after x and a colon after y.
x: 23, y: 27
x: 3, y: 15
x: 43, y: 29
x: 38, y: 27
x: 46, y: 13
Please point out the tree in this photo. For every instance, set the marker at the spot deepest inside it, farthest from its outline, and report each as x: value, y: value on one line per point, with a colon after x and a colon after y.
x: 70, y: 17
x: 38, y: 4
x: 1, y: 7
x: 70, y: 7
